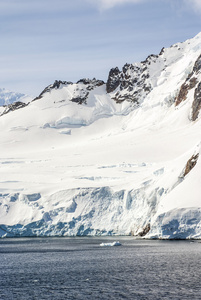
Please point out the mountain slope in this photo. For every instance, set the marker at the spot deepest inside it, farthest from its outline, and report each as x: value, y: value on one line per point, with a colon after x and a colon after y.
x: 8, y: 98
x: 120, y: 157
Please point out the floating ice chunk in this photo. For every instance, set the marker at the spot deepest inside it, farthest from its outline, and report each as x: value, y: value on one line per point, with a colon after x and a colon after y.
x: 110, y: 244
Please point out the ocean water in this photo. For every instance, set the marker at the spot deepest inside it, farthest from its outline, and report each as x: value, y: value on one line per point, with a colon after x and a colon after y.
x: 78, y: 268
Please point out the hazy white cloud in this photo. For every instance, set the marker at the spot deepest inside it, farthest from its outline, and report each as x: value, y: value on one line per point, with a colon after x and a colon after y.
x: 195, y: 4
x: 107, y: 4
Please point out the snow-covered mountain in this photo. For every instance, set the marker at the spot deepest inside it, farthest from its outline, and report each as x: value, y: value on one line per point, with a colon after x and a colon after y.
x: 121, y: 157
x: 7, y: 98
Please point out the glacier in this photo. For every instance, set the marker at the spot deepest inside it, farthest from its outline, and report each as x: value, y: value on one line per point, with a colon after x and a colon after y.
x: 114, y: 158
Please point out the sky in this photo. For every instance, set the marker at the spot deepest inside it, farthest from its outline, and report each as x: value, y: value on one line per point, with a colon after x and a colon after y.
x: 47, y: 40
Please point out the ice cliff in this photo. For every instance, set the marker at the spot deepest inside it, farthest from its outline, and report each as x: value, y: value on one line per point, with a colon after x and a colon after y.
x: 114, y: 158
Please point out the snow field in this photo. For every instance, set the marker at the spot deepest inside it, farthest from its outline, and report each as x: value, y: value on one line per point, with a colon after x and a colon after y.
x: 104, y: 168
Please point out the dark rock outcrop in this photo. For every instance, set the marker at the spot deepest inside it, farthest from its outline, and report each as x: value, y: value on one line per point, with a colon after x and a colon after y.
x: 89, y: 85
x: 191, y: 164
x: 131, y: 83
x: 151, y: 57
x: 134, y: 83
x: 162, y: 51
x: 113, y: 80
x: 13, y: 106
x: 92, y: 82
x: 190, y: 83
x: 80, y: 100
x: 196, y: 106
x: 197, y: 66
x: 145, y: 230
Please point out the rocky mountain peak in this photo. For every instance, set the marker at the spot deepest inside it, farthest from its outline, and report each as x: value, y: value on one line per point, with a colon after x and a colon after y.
x: 56, y: 85
x: 120, y: 161
x: 113, y: 80
x: 79, y: 91
x: 131, y: 83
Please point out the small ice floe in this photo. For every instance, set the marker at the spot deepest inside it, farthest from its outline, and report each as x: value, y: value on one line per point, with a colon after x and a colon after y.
x: 110, y: 244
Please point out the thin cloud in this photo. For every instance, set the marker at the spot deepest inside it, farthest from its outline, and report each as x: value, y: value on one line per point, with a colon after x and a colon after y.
x: 195, y: 4
x: 107, y: 4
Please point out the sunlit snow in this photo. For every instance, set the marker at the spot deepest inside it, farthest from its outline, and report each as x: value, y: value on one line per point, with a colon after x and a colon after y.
x: 101, y: 167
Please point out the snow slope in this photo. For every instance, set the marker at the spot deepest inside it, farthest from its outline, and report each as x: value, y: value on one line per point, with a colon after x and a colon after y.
x: 91, y: 158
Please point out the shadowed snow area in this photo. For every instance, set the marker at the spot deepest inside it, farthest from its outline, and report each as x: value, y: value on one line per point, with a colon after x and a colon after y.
x: 95, y: 158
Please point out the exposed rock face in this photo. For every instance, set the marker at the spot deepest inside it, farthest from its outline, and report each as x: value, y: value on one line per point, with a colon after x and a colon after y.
x: 188, y: 85
x: 91, y: 83
x: 80, y: 92
x: 196, y: 106
x: 134, y: 82
x: 131, y: 82
x: 191, y: 164
x: 190, y: 82
x: 81, y: 100
x: 145, y: 230
x: 162, y: 51
x: 13, y: 106
x: 197, y: 66
x: 113, y: 80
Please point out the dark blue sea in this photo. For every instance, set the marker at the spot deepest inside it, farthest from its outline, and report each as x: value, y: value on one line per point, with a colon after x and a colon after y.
x: 78, y: 268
